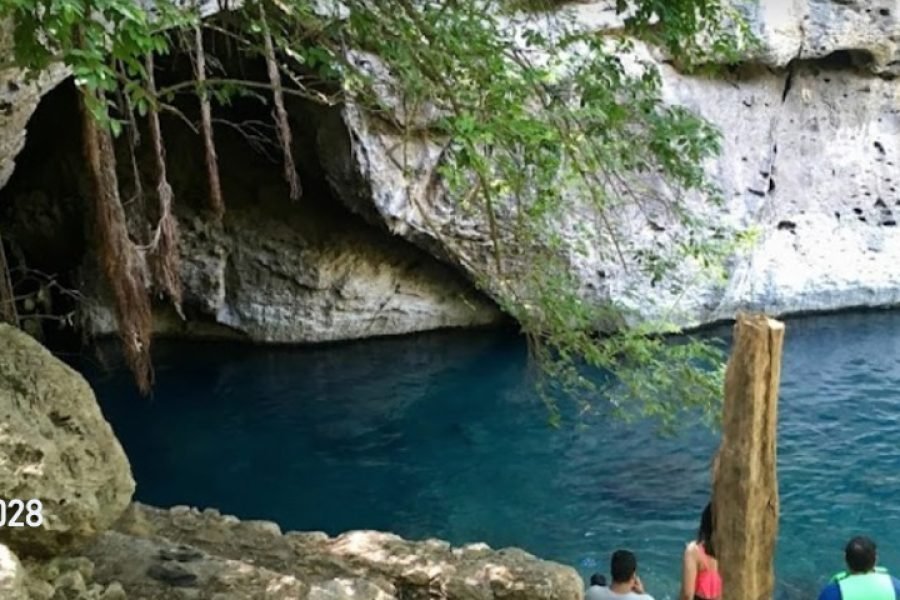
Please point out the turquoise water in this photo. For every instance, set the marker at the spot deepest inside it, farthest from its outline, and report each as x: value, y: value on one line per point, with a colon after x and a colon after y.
x: 440, y: 435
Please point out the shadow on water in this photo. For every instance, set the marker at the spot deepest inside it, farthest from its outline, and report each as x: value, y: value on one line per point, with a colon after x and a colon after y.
x: 442, y: 435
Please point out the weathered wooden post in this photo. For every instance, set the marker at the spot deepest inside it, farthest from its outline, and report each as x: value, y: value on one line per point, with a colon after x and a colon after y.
x: 745, y: 482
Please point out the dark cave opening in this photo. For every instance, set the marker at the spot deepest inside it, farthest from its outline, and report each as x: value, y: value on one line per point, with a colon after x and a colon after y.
x: 46, y: 221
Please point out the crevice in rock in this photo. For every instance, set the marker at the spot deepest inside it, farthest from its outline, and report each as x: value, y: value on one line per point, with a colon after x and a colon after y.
x: 788, y: 81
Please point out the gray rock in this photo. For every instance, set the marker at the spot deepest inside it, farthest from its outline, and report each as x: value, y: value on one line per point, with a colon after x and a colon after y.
x: 55, y: 446
x: 358, y: 564
x: 114, y: 591
x: 12, y: 576
x: 18, y: 99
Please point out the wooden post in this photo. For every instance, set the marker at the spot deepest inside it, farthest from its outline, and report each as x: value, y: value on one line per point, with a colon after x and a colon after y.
x: 745, y: 481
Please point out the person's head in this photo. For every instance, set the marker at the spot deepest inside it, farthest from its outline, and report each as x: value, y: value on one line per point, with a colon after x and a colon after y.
x: 705, y: 533
x: 598, y: 579
x: 860, y: 554
x: 623, y: 566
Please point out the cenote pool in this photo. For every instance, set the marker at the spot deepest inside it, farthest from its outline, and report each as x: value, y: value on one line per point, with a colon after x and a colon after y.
x: 440, y: 435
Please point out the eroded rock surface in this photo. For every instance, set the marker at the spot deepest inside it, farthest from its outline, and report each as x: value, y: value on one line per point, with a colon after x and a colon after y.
x: 269, y: 276
x: 182, y: 552
x: 55, y: 446
x: 12, y: 576
x: 18, y: 99
x: 809, y: 163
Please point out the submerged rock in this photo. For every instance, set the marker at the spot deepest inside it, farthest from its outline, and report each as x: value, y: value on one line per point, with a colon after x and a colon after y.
x: 56, y: 447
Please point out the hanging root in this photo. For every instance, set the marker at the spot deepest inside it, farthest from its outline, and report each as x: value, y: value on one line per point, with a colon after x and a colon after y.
x: 212, y: 161
x: 120, y: 259
x: 280, y: 113
x: 164, y: 256
x: 8, y: 312
x: 136, y: 209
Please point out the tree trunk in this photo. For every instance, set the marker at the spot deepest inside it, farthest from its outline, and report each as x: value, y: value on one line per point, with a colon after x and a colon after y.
x: 280, y: 115
x: 120, y: 259
x: 212, y: 161
x: 745, y: 488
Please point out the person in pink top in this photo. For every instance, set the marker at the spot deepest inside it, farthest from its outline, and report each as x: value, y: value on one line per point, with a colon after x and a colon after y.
x: 700, y: 579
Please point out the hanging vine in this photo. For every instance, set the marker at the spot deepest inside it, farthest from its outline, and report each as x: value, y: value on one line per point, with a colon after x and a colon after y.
x: 164, y: 258
x: 279, y: 113
x: 216, y: 200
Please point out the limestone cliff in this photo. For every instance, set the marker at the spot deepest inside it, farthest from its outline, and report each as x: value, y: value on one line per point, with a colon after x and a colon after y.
x: 810, y: 129
x: 811, y: 138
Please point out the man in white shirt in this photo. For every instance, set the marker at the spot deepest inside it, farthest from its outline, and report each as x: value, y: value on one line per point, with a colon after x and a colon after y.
x: 626, y: 585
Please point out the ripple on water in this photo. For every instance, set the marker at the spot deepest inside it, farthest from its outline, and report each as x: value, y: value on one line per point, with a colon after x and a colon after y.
x: 440, y: 435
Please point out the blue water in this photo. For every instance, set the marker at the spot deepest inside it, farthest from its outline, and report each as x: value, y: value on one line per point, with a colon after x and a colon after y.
x: 441, y: 435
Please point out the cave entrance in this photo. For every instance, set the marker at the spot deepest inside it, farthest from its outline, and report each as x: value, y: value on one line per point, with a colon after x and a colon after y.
x: 348, y: 278
x: 46, y: 222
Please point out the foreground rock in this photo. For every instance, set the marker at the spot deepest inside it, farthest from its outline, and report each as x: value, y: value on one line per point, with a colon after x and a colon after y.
x: 183, y: 553
x: 12, y: 576
x: 55, y: 446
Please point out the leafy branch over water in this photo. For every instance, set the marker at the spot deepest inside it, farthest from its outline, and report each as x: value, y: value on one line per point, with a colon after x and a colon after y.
x: 551, y: 138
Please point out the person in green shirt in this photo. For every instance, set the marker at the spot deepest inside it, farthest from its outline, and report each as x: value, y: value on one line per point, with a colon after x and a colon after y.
x: 862, y: 580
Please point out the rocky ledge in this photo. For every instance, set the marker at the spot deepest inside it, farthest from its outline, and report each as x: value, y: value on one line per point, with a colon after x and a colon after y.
x: 93, y: 544
x: 185, y: 553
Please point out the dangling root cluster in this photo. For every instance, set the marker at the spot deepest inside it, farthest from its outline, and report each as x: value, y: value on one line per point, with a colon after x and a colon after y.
x: 121, y: 261
x: 164, y: 257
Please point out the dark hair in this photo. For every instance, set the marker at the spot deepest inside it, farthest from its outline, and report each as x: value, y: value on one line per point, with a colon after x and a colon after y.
x: 705, y: 533
x: 622, y: 566
x: 860, y: 554
x: 598, y: 579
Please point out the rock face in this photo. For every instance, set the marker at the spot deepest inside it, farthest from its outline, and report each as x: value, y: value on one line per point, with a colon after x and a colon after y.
x: 18, y: 99
x: 808, y: 162
x: 745, y: 482
x: 55, y: 446
x: 269, y: 277
x: 810, y: 152
x: 813, y: 29
x: 164, y: 554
